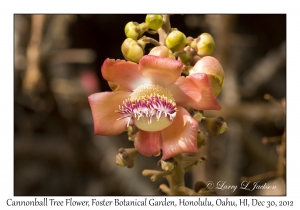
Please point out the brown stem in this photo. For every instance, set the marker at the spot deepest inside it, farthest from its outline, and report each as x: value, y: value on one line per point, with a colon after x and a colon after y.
x: 267, y: 175
x: 150, y: 40
x: 152, y: 32
x: 281, y: 155
x: 164, y: 30
x: 165, y: 189
x: 155, y: 174
x: 175, y: 177
x: 186, y: 191
x: 190, y: 159
x: 274, y: 139
x: 33, y: 74
x: 272, y: 99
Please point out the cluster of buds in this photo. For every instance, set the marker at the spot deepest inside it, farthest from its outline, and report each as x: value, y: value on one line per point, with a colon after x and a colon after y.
x: 133, y: 46
x: 126, y: 157
x: 194, y: 53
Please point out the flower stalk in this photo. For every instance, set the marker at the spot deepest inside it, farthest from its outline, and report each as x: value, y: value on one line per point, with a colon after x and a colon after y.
x: 175, y: 177
x: 164, y: 30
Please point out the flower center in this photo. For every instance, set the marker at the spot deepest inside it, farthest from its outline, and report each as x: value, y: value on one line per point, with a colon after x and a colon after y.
x: 147, y: 102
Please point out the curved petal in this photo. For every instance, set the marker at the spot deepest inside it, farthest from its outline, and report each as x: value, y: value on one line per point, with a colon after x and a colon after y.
x: 123, y: 73
x: 180, y: 136
x: 161, y: 71
x: 209, y: 65
x: 103, y: 106
x: 148, y: 143
x: 194, y: 91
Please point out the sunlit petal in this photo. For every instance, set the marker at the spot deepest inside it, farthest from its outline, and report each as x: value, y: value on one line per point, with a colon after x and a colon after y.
x: 194, y: 91
x: 148, y: 143
x: 123, y: 73
x: 180, y: 136
x: 160, y: 71
x: 103, y: 107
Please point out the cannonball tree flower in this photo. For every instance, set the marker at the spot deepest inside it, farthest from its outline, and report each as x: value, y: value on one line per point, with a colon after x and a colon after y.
x: 153, y: 95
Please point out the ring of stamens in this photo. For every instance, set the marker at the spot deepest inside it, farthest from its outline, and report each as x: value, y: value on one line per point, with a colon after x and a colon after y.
x: 147, y: 102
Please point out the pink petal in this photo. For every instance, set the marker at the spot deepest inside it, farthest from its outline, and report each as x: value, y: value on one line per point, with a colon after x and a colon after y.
x: 103, y: 107
x: 194, y: 91
x: 148, y: 143
x: 180, y: 136
x: 209, y: 65
x: 123, y: 73
x: 161, y: 71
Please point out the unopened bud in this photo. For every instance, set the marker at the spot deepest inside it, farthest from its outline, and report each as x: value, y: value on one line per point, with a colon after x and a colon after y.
x: 216, y: 126
x: 162, y: 51
x: 154, y: 21
x: 187, y: 56
x: 132, y: 30
x: 176, y: 41
x: 126, y: 157
x: 206, y: 45
x: 132, y: 50
x: 212, y: 67
x: 168, y: 165
x: 141, y: 43
x: 120, y: 161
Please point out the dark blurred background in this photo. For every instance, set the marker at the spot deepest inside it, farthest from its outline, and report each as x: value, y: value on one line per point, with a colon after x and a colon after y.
x: 57, y: 61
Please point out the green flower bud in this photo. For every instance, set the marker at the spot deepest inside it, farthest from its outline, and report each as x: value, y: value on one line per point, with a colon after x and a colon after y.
x: 184, y: 57
x: 162, y: 51
x: 132, y: 30
x: 212, y: 67
x: 216, y: 126
x: 154, y: 21
x: 141, y: 43
x: 132, y: 50
x: 193, y: 44
x: 206, y: 45
x: 176, y: 41
x: 187, y: 56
